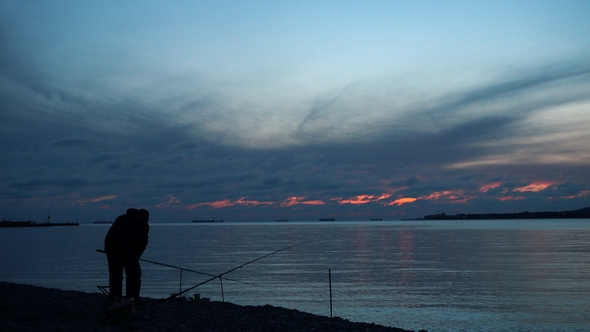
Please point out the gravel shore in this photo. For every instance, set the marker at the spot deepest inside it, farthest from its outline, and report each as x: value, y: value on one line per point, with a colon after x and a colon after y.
x: 32, y: 308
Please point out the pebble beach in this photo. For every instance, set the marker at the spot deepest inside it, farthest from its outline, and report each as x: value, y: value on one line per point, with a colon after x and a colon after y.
x: 33, y: 308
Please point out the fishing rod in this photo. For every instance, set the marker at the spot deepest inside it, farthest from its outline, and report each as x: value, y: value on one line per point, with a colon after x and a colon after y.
x: 228, y: 271
x: 183, y: 269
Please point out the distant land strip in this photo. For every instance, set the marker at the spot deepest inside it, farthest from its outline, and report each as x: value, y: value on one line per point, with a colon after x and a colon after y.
x: 581, y: 213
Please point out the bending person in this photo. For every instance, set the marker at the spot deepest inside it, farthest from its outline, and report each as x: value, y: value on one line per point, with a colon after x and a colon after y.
x: 124, y: 244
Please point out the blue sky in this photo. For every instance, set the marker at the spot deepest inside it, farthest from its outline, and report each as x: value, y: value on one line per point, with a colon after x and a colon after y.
x: 264, y: 110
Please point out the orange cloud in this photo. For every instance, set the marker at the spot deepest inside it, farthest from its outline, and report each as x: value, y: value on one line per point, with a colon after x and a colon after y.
x: 95, y: 200
x: 227, y: 203
x: 362, y: 199
x: 171, y: 202
x: 457, y: 196
x: 244, y: 201
x: 510, y: 198
x: 314, y: 202
x: 584, y: 193
x: 295, y: 200
x: 486, y: 187
x: 446, y: 194
x: 401, y: 201
x: 357, y: 200
x: 215, y: 205
x: 534, y: 187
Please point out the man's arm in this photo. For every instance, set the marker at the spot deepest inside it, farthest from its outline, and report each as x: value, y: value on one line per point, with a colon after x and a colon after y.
x: 143, y: 238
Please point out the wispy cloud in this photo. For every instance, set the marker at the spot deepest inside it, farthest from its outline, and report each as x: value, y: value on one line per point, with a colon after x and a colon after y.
x: 228, y: 203
x: 98, y: 117
x: 292, y: 201
x: 95, y: 200
x: 534, y: 187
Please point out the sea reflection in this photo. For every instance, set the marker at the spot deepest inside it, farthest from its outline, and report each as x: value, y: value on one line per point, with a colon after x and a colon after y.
x: 407, y: 246
x: 439, y: 277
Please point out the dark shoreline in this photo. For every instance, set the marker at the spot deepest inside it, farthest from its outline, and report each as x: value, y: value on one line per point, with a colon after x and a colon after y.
x: 33, y: 308
x: 575, y: 214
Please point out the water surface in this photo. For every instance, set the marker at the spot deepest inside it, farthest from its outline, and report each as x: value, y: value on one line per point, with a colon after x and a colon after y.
x: 507, y: 275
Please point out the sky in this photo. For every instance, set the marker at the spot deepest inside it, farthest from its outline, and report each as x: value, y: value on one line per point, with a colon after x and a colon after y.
x: 299, y: 110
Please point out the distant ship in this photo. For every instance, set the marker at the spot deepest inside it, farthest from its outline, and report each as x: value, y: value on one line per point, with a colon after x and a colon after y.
x: 207, y: 220
x: 102, y: 222
x: 327, y: 219
x: 376, y: 219
x: 282, y: 219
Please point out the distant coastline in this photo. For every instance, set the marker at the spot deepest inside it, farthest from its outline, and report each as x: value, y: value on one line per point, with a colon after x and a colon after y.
x: 30, y: 223
x: 580, y: 213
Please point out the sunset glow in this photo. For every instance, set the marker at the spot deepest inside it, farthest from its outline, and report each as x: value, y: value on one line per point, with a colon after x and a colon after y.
x: 171, y: 203
x: 585, y: 193
x: 401, y: 201
x: 362, y: 199
x: 291, y: 201
x: 95, y: 200
x: 510, y: 198
x: 487, y: 187
x: 451, y: 195
x: 534, y: 187
x: 239, y: 110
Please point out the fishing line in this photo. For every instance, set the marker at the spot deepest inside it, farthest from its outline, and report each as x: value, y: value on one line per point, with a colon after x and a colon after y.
x: 228, y: 271
x: 183, y: 269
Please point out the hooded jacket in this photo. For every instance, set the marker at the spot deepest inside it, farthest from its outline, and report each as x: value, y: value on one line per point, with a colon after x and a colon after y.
x: 129, y: 234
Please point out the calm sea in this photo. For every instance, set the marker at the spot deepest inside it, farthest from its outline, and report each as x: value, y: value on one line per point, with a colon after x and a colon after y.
x: 509, y: 275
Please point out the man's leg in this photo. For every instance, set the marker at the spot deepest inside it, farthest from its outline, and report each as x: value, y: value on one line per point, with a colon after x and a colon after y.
x: 115, y: 274
x: 133, y: 274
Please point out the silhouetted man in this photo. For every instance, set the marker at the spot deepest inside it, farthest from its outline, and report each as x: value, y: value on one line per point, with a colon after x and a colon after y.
x: 124, y: 244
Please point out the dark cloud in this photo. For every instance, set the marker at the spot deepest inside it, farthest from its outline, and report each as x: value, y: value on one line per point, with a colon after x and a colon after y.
x: 71, y: 142
x: 450, y: 145
x: 102, y: 157
x: 527, y: 80
x: 93, y: 149
x: 272, y: 182
x: 39, y: 184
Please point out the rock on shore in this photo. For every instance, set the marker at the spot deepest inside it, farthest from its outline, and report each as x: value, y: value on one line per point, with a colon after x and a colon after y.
x: 32, y: 308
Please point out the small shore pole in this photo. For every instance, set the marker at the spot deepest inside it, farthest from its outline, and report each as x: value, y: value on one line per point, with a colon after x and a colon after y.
x: 180, y: 283
x: 330, y: 283
x: 221, y: 283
